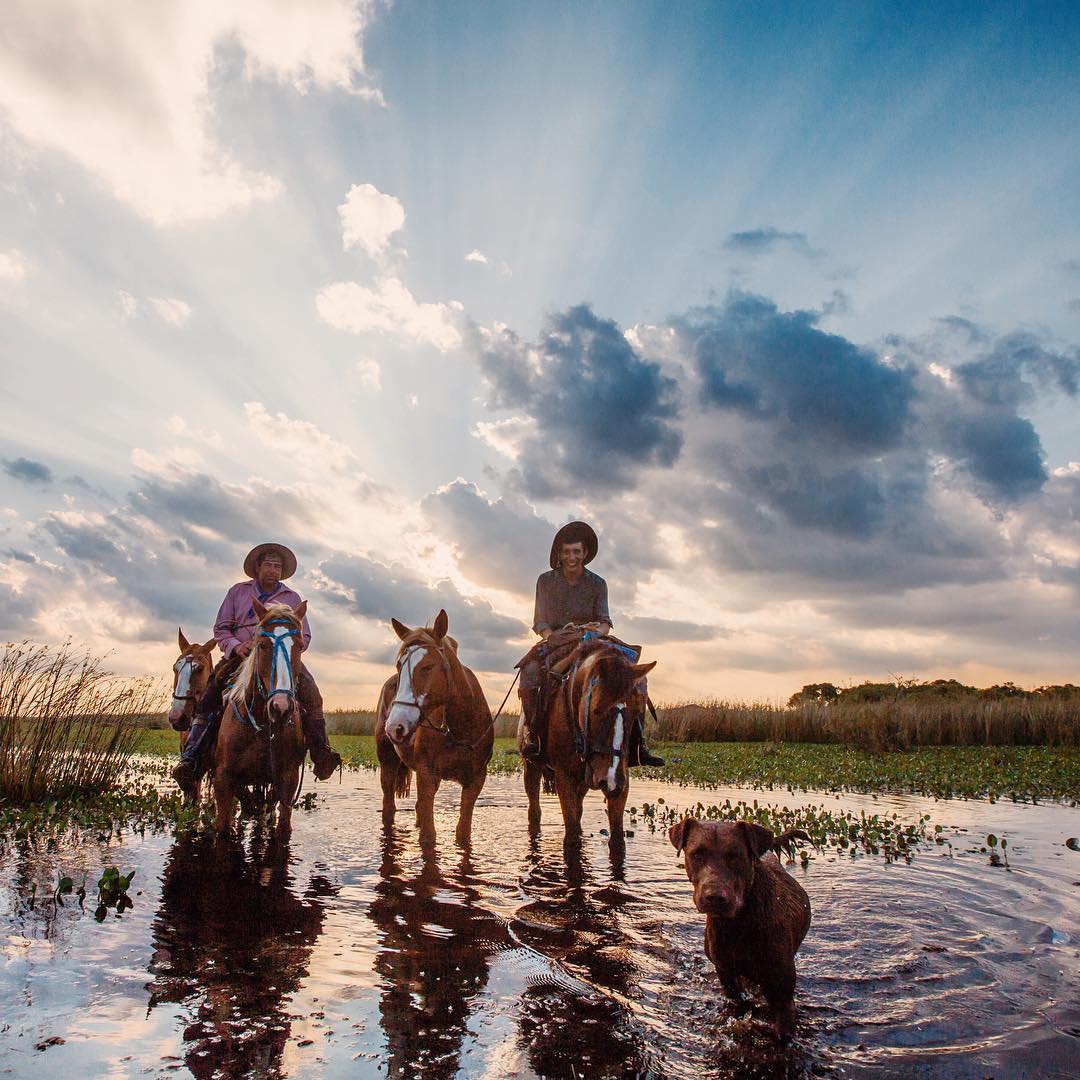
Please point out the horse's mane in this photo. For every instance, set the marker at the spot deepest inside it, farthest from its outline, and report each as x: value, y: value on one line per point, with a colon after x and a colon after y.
x: 611, y: 665
x: 425, y: 636
x: 246, y: 670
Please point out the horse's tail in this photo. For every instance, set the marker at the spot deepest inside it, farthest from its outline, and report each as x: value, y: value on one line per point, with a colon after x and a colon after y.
x: 403, y: 781
x: 549, y: 780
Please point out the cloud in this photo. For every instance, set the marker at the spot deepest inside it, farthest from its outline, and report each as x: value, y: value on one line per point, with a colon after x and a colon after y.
x: 369, y: 218
x: 300, y: 440
x: 28, y: 471
x: 646, y: 628
x: 1015, y: 363
x: 126, y: 91
x: 762, y: 241
x: 373, y: 590
x: 600, y: 412
x: 368, y: 374
x: 499, y: 543
x: 14, y: 265
x: 129, y: 305
x: 389, y: 308
x: 170, y: 310
x: 475, y: 256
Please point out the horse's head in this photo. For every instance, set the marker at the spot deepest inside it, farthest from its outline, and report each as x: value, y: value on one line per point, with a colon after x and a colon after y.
x: 191, y: 673
x: 279, y: 642
x: 423, y: 687
x: 611, y: 698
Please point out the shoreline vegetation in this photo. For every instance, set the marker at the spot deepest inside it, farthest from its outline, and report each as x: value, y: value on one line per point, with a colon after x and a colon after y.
x: 71, y: 734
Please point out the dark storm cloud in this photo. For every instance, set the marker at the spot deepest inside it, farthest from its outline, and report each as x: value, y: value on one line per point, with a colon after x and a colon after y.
x: 765, y: 240
x: 28, y: 471
x: 498, y: 543
x: 22, y: 556
x: 374, y: 591
x: 601, y: 412
x: 1008, y: 374
x: 1004, y: 452
x: 780, y: 368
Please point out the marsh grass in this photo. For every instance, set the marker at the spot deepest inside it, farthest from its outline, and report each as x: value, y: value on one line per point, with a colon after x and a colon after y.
x: 67, y: 727
x: 898, y: 724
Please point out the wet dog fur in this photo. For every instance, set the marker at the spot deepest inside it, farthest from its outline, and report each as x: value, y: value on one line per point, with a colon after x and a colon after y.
x: 756, y: 913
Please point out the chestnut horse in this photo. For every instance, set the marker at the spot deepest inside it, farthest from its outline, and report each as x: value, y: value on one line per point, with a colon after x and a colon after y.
x: 261, y: 741
x: 588, y: 734
x: 191, y: 673
x: 433, y: 719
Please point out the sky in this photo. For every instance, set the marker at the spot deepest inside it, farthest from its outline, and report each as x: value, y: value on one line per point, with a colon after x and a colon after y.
x: 784, y: 299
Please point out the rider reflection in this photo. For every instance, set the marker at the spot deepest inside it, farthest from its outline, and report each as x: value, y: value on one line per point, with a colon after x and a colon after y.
x: 233, y: 942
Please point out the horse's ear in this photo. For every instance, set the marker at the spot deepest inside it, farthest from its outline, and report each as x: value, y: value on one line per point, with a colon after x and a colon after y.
x: 442, y: 624
x: 259, y: 609
x: 210, y: 646
x: 301, y: 611
x: 639, y: 671
x: 400, y: 629
x: 181, y: 640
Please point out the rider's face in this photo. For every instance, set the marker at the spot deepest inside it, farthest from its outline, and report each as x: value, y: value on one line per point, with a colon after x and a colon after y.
x: 269, y: 572
x: 572, y: 557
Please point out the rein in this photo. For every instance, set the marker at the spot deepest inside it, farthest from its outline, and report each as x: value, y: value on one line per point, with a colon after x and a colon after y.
x: 281, y: 651
x: 585, y: 748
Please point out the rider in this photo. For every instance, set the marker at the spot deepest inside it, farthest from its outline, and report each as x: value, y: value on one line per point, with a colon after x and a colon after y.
x: 267, y: 566
x: 568, y: 596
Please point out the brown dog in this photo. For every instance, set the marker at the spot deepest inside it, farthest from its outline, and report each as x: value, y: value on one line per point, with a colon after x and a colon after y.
x: 757, y: 913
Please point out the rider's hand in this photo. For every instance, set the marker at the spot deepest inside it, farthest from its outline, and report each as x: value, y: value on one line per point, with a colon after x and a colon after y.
x: 243, y: 648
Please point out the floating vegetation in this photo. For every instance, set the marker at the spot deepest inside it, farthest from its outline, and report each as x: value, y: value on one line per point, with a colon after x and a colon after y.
x: 843, y: 833
x: 113, y: 892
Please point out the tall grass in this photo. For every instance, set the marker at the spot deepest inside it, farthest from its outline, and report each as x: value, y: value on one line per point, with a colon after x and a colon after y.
x: 897, y: 724
x: 67, y: 727
x: 362, y: 722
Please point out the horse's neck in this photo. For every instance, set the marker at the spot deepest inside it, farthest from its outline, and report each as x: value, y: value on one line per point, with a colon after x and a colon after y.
x: 462, y: 690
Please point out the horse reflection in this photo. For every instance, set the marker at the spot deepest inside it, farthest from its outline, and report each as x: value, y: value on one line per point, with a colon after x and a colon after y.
x: 234, y: 938
x: 576, y: 922
x: 434, y: 950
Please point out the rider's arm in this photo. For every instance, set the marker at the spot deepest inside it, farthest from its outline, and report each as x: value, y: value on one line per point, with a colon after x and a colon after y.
x: 541, y: 615
x: 306, y: 634
x: 601, y: 614
x: 225, y: 625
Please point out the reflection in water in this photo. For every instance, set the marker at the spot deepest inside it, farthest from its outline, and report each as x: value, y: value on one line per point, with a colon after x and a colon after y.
x: 232, y: 941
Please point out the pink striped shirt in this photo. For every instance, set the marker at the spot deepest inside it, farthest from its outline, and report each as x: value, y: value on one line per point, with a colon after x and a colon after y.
x: 236, y: 621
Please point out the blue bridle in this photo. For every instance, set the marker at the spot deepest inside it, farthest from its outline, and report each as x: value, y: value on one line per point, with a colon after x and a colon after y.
x: 281, y: 651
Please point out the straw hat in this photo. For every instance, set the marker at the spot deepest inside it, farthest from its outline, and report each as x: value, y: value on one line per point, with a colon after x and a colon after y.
x: 288, y: 559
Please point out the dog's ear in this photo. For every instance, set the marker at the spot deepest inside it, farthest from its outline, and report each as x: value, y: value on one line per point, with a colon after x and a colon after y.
x: 758, y: 839
x: 680, y: 832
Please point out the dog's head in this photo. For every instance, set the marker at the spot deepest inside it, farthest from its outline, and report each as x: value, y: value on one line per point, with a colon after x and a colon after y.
x: 720, y: 861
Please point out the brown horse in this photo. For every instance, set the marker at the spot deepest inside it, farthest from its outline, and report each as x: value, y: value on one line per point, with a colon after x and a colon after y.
x: 191, y: 673
x: 261, y: 741
x: 588, y: 733
x: 434, y: 720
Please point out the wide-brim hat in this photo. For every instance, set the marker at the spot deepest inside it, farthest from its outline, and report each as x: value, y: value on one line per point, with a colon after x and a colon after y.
x: 288, y: 559
x: 574, y: 532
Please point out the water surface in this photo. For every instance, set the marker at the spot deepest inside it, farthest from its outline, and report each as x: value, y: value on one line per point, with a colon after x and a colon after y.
x: 351, y: 954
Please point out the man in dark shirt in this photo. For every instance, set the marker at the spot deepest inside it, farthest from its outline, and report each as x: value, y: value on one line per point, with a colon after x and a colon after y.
x: 568, y: 596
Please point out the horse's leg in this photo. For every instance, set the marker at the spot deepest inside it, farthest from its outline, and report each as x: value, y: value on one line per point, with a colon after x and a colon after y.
x: 388, y: 771
x: 616, y: 804
x: 284, y: 790
x: 469, y: 795
x: 570, y: 799
x: 533, y: 775
x: 225, y: 799
x: 427, y: 783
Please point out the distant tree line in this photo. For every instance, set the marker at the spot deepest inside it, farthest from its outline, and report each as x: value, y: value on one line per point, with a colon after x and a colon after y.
x: 914, y: 691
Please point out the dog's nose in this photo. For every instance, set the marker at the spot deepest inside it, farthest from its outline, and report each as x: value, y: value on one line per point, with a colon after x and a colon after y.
x: 715, y: 898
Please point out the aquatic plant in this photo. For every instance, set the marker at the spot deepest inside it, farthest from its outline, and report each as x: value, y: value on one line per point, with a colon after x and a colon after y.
x: 67, y: 727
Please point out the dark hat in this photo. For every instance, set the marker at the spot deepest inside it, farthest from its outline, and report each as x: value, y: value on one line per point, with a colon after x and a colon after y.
x: 574, y: 532
x: 288, y: 559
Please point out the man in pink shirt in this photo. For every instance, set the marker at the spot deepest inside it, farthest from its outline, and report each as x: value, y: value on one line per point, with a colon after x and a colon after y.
x: 267, y: 566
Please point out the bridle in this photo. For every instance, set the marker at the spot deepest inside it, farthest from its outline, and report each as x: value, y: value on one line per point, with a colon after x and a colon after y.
x: 407, y: 660
x: 281, y: 652
x: 588, y: 749
x: 187, y: 661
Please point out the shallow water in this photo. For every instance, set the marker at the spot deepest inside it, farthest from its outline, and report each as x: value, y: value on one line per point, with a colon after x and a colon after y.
x: 353, y: 955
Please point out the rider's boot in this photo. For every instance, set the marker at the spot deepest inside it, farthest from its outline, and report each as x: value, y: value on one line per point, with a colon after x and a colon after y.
x: 188, y: 773
x: 324, y: 760
x: 639, y: 748
x: 528, y: 738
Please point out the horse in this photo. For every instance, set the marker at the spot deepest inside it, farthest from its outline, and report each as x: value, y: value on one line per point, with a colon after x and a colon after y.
x: 261, y: 741
x: 588, y: 733
x: 191, y: 673
x: 433, y: 720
